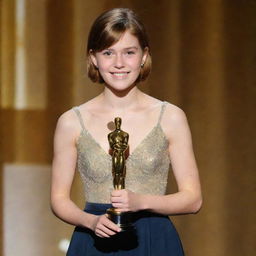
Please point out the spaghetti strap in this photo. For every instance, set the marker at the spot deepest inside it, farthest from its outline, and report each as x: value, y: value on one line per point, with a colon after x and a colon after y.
x: 78, y: 113
x: 161, y: 112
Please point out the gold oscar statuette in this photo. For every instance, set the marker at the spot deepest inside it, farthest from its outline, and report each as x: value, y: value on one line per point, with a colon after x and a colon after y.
x: 118, y: 142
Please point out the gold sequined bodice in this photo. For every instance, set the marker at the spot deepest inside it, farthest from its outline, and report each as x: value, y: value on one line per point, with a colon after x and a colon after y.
x: 146, y: 167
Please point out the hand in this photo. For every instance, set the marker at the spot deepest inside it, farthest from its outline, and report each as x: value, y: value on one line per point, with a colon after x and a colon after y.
x: 126, y: 200
x: 103, y: 227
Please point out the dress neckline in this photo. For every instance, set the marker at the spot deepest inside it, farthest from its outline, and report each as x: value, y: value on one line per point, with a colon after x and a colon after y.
x: 140, y: 145
x: 136, y: 148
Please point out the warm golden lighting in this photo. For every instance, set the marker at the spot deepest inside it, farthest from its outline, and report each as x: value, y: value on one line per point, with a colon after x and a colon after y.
x: 203, y: 61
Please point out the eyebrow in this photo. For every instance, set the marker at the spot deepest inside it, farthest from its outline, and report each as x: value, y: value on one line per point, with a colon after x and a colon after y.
x: 132, y: 47
x: 126, y: 48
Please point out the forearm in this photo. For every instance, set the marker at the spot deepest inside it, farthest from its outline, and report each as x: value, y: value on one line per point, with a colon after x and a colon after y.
x: 68, y: 211
x: 182, y: 202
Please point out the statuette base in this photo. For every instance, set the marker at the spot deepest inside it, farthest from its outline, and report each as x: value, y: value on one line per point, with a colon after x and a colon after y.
x: 121, y: 219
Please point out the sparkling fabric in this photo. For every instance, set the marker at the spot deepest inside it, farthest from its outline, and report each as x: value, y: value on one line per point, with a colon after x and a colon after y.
x: 146, y: 167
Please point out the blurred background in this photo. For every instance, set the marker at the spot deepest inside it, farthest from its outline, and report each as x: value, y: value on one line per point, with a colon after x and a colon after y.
x: 204, y: 61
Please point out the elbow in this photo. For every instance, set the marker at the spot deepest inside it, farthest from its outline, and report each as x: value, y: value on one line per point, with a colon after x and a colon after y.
x: 56, y: 205
x: 53, y: 207
x: 197, y: 205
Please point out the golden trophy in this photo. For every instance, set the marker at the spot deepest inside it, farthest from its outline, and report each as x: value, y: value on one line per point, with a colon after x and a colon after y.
x: 118, y: 142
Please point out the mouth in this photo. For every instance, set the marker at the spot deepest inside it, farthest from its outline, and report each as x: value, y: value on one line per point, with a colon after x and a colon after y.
x: 119, y: 74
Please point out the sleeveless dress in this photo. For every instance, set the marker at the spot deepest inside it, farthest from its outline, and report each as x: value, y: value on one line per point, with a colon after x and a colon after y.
x: 146, y: 173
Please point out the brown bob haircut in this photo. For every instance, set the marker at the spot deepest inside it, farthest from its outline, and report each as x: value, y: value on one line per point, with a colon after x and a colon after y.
x: 107, y: 29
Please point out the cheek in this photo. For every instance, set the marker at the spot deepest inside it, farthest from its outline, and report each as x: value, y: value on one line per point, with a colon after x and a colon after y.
x: 102, y: 62
x: 103, y: 65
x: 135, y: 63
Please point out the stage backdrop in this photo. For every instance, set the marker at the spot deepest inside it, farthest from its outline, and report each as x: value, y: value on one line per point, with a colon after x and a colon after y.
x: 204, y: 60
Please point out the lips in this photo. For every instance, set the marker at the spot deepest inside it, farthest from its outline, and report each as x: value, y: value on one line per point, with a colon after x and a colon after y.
x: 119, y: 74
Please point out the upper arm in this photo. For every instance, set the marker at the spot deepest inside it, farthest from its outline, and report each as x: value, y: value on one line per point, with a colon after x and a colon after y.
x: 181, y: 150
x: 65, y: 155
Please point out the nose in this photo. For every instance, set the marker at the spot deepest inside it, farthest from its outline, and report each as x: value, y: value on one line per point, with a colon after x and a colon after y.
x: 119, y: 61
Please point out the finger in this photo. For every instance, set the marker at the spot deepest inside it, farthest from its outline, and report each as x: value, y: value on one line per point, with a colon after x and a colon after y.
x: 101, y: 234
x: 116, y: 199
x: 103, y: 228
x: 117, y: 205
x: 107, y: 231
x: 111, y: 225
x: 117, y: 192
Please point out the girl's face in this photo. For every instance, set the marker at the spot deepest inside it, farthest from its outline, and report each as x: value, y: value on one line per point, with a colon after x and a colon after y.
x: 120, y: 64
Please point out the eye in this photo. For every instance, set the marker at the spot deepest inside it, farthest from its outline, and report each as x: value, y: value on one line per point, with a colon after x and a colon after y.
x: 130, y: 52
x: 107, y: 53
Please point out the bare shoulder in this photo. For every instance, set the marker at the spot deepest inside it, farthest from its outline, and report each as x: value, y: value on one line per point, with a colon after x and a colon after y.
x: 68, y: 124
x: 174, y: 115
x: 174, y: 120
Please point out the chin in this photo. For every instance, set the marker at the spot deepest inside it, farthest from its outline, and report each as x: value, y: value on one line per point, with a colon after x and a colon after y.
x: 121, y: 86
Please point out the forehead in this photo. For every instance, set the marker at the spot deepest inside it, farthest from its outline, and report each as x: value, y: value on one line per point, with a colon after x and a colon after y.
x: 127, y: 40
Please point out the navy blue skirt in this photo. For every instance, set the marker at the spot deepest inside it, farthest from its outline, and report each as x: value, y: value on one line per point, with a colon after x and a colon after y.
x: 152, y: 235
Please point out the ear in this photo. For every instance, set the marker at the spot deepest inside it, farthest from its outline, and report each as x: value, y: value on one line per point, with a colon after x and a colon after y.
x: 145, y: 55
x: 93, y: 58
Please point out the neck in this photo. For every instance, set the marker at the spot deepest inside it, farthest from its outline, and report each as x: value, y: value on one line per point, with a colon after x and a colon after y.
x: 121, y: 100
